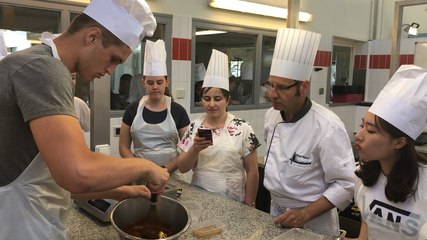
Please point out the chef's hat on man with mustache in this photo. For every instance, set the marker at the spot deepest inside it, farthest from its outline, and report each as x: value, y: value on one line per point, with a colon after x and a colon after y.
x: 403, y: 101
x: 294, y: 54
x: 128, y: 20
x: 217, y: 73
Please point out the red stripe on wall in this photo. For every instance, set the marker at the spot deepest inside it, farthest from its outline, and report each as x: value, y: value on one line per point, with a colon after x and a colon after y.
x: 383, y: 62
x: 323, y: 59
x: 357, y: 61
x: 403, y: 59
x: 380, y: 61
x: 411, y: 58
x: 360, y: 61
x: 387, y: 61
x: 371, y: 61
x: 181, y: 49
x: 406, y: 59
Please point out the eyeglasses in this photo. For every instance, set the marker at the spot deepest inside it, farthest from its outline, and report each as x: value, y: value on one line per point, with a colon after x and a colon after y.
x: 280, y: 87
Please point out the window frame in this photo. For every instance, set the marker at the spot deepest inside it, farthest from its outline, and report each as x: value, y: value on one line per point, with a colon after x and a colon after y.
x: 259, y: 33
x: 342, y: 42
x: 167, y: 21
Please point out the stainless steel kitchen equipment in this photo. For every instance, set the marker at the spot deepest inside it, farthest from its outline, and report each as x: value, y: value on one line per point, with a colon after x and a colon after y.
x: 131, y: 219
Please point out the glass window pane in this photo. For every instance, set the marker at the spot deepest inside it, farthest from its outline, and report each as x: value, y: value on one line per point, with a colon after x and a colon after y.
x: 30, y: 20
x: 347, y: 84
x: 125, y: 82
x: 341, y: 56
x: 73, y: 15
x: 240, y: 48
x: 267, y: 56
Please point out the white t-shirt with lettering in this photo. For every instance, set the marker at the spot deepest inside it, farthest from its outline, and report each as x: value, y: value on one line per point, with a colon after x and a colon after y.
x: 390, y: 220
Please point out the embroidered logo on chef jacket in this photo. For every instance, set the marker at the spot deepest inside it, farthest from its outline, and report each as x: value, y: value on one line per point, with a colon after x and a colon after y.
x: 393, y: 218
x: 300, y: 159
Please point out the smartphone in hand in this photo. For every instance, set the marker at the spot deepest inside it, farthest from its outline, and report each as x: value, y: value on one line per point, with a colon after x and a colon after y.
x: 205, y: 133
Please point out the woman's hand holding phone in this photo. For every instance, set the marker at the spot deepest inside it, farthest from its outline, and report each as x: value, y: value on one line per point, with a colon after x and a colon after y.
x: 203, y: 138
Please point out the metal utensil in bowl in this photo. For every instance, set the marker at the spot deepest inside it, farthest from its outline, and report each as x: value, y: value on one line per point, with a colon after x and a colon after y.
x: 152, y: 213
x: 133, y: 214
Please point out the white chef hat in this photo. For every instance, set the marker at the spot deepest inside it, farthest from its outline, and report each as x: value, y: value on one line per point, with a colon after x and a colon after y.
x: 247, y: 68
x: 403, y: 100
x: 294, y: 53
x: 129, y: 20
x: 217, y: 72
x: 155, y: 58
x: 199, y: 72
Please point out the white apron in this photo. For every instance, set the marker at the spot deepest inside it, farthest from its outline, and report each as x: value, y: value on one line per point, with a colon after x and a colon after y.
x: 220, y: 169
x: 326, y: 223
x: 33, y: 205
x: 156, y: 142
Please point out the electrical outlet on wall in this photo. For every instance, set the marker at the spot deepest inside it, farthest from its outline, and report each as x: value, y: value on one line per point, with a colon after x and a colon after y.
x: 116, y: 131
x: 180, y: 93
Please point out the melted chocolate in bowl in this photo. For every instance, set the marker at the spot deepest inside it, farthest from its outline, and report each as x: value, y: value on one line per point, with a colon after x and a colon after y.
x: 147, y: 229
x: 132, y: 219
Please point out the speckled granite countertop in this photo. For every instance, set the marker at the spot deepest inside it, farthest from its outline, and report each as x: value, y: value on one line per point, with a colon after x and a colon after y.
x: 241, y: 221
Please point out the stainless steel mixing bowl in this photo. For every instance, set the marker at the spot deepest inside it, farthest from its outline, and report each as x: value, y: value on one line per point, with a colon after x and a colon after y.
x: 167, y: 212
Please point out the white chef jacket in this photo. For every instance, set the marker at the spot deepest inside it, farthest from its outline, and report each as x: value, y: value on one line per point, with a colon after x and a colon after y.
x: 308, y: 159
x: 390, y: 220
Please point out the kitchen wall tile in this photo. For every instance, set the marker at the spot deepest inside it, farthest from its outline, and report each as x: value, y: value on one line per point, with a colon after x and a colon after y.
x: 181, y: 27
x: 325, y: 43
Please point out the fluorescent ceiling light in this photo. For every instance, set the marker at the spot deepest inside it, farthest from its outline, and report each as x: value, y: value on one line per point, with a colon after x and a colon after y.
x: 209, y: 32
x: 256, y: 8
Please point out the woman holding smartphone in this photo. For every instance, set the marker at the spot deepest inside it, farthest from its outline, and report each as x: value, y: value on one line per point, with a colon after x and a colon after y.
x: 227, y: 163
x: 391, y: 189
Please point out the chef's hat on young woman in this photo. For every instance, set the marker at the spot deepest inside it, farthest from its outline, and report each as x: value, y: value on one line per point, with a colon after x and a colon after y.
x: 217, y: 72
x: 403, y: 100
x: 129, y: 20
x: 155, y: 58
x: 294, y: 54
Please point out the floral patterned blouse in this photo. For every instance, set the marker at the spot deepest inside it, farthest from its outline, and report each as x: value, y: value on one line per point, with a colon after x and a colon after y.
x: 240, y: 131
